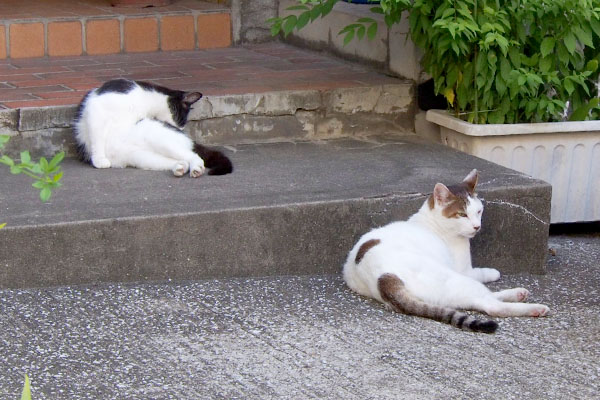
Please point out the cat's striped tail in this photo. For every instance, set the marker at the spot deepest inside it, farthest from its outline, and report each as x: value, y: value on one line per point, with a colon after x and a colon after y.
x: 394, y: 293
x: 215, y: 162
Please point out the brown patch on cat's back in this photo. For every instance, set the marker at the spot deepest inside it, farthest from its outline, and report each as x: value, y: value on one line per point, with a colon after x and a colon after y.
x: 366, y: 246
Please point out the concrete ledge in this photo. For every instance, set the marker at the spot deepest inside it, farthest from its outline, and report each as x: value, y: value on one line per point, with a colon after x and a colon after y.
x: 243, y: 118
x: 288, y: 208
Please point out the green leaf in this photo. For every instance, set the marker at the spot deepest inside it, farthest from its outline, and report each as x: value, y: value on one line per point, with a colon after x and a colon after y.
x: 3, y: 140
x: 349, y: 36
x: 315, y: 13
x: 591, y: 66
x: 563, y: 54
x: 545, y: 64
x: 26, y: 393
x: 289, y: 24
x: 568, y: 85
x: 547, y: 46
x: 595, y: 24
x: 15, y: 170
x: 37, y: 169
x: 303, y: 20
x: 372, y: 31
x: 44, y: 164
x: 360, y: 32
x: 500, y: 85
x: 515, y: 56
x: 57, y: 177
x: 56, y: 159
x: 389, y: 20
x: 570, y: 42
x: 505, y: 68
x: 451, y: 77
x: 581, y: 113
x: 6, y: 160
x: 38, y: 185
x: 584, y: 36
x: 327, y: 7
x: 45, y: 194
x: 25, y: 157
x: 275, y: 28
x: 2, y: 225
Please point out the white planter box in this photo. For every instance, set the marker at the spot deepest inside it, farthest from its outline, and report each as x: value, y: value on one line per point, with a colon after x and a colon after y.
x: 565, y: 154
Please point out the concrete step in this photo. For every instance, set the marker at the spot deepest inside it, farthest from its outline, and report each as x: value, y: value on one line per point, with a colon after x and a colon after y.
x: 58, y: 28
x: 262, y: 92
x: 288, y: 208
x: 303, y: 337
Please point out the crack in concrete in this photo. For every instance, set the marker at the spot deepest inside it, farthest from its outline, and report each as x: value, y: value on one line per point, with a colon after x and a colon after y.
x: 512, y: 205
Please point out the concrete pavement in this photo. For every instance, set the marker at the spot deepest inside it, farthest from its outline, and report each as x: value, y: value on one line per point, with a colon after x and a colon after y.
x: 298, y: 338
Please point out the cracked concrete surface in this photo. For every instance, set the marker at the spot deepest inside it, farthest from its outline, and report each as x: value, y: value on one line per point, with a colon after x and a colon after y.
x: 307, y: 200
x: 298, y: 338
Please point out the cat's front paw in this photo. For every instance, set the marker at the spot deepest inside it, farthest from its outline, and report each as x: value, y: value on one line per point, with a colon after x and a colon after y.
x: 100, y: 162
x: 486, y: 275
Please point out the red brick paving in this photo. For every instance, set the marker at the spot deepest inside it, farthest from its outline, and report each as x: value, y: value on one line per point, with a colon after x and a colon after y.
x: 35, y: 82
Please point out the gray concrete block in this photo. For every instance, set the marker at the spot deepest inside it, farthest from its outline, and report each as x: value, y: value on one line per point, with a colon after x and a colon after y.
x: 249, y: 20
x: 404, y: 56
x: 38, y: 118
x: 9, y: 121
x: 426, y: 129
x: 288, y: 208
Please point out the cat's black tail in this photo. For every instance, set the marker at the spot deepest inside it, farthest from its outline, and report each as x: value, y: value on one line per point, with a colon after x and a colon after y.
x: 215, y: 162
x: 394, y: 293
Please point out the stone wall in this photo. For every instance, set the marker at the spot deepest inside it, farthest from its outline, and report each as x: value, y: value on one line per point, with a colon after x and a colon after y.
x: 390, y: 50
x: 249, y: 20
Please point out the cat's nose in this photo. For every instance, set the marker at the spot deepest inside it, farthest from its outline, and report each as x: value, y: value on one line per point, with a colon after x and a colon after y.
x: 476, y: 227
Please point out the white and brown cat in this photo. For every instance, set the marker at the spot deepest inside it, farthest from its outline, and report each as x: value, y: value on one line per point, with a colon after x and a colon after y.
x: 422, y: 266
x: 126, y: 123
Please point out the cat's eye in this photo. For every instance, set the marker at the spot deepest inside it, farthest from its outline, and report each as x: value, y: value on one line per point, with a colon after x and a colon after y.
x: 461, y: 214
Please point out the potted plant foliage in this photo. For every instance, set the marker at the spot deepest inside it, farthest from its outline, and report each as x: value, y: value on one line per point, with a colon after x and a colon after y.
x: 520, y: 78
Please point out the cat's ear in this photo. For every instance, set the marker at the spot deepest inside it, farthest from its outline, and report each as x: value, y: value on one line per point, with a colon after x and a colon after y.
x: 471, y: 181
x: 442, y: 195
x: 191, y: 97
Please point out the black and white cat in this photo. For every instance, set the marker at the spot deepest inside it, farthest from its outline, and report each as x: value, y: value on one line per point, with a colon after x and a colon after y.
x: 126, y: 123
x: 422, y: 266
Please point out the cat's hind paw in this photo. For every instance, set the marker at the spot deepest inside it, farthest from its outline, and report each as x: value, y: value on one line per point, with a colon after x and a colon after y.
x: 515, y: 295
x: 539, y: 310
x: 100, y: 162
x: 180, y: 168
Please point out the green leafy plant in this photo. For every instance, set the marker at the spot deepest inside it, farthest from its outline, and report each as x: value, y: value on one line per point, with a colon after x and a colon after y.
x: 46, y: 174
x: 495, y: 61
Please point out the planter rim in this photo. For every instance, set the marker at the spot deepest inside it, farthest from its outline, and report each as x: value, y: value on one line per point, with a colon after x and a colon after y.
x: 443, y: 118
